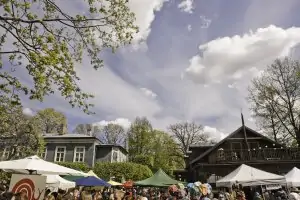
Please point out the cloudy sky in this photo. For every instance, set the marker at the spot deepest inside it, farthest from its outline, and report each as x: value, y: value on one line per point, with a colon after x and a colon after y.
x: 191, y: 61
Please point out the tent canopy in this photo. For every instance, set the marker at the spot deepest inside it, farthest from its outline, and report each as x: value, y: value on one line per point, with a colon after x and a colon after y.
x: 92, y: 173
x: 249, y: 176
x: 114, y: 183
x: 91, y: 181
x: 36, y: 165
x: 53, y: 182
x: 159, y: 179
x: 293, y: 178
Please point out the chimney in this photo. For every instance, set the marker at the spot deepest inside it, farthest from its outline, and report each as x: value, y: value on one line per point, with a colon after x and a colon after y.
x: 89, y: 129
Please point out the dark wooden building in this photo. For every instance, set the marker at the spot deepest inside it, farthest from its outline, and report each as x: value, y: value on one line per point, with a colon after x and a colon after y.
x: 243, y: 146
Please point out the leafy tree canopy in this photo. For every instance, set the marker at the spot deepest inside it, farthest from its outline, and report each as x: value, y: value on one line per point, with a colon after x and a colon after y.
x: 20, y: 135
x: 39, y: 36
x: 51, y: 121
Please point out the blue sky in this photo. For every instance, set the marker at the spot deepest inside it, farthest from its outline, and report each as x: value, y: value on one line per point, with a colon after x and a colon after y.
x: 191, y: 62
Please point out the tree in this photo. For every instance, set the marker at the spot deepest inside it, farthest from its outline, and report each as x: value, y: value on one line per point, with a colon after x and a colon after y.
x: 20, y: 135
x: 51, y: 121
x: 130, y: 171
x: 274, y: 99
x: 85, y: 129
x: 48, y: 41
x: 186, y: 134
x: 113, y: 134
x: 140, y: 138
x: 167, y: 153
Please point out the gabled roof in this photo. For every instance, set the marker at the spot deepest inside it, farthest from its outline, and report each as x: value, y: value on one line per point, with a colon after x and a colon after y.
x: 229, y: 136
x: 68, y: 135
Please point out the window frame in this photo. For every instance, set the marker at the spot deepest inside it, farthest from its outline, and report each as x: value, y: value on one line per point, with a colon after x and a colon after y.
x: 44, y: 152
x: 4, y: 156
x: 75, y: 151
x: 56, y: 151
x: 112, y: 156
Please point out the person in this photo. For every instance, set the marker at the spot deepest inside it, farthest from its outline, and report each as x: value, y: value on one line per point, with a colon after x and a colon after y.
x: 294, y: 194
x: 257, y: 196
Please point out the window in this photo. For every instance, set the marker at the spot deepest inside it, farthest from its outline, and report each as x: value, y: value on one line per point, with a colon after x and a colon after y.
x: 115, y: 156
x: 5, y: 154
x: 79, y: 154
x: 60, y: 153
x: 43, y: 154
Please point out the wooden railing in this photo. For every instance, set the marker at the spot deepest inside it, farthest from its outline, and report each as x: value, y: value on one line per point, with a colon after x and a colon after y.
x: 263, y: 154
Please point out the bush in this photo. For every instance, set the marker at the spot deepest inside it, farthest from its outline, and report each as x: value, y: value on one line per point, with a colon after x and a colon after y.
x: 75, y: 165
x: 128, y: 170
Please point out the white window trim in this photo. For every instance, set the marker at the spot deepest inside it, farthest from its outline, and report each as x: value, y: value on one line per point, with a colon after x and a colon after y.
x: 65, y: 151
x: 112, y: 156
x: 4, y: 153
x: 46, y: 151
x: 75, y: 148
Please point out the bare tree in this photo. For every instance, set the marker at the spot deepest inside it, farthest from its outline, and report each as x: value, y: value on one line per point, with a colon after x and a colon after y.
x: 187, y: 134
x: 113, y: 134
x: 274, y: 99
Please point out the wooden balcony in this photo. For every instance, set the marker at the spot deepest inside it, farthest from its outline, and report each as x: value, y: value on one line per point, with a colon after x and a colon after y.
x: 257, y: 155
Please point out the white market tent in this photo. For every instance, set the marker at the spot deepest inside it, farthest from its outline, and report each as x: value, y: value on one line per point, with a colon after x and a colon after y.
x: 250, y: 176
x: 36, y: 165
x: 53, y: 182
x: 293, y: 178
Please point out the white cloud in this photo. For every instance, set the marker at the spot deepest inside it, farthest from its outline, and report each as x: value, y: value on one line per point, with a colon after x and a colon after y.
x: 186, y: 6
x: 28, y: 111
x: 189, y: 27
x: 205, y: 22
x: 120, y: 121
x: 214, y: 133
x: 114, y: 95
x: 144, y: 11
x: 223, y: 57
x: 149, y: 93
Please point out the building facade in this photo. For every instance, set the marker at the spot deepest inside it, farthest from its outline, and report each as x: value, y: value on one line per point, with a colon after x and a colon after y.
x: 78, y: 148
x: 243, y: 146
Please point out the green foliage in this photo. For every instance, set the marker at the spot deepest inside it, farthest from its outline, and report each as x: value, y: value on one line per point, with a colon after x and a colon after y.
x: 51, y: 121
x: 75, y: 165
x: 47, y: 42
x: 128, y: 170
x: 167, y: 153
x: 153, y: 148
x: 147, y: 160
x: 140, y: 137
x: 20, y: 135
x: 5, y: 176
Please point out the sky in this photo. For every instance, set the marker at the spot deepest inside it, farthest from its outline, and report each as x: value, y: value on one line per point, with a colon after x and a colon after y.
x: 192, y: 60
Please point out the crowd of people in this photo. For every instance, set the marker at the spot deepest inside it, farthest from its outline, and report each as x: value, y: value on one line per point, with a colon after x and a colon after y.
x: 87, y: 193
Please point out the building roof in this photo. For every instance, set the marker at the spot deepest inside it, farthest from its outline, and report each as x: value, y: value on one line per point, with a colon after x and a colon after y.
x: 68, y: 135
x: 113, y: 145
x: 230, y: 135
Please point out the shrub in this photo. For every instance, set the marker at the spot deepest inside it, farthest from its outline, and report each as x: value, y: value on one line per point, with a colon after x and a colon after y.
x: 75, y: 165
x: 128, y: 170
